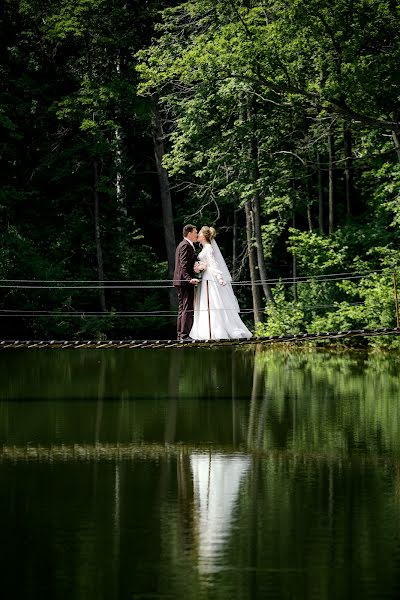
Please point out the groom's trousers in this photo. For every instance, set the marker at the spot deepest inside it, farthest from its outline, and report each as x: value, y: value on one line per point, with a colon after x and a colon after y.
x: 185, y: 309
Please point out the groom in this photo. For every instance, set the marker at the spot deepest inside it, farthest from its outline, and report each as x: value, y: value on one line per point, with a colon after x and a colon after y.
x: 184, y: 282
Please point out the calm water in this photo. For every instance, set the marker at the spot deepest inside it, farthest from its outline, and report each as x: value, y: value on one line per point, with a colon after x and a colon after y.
x: 189, y: 474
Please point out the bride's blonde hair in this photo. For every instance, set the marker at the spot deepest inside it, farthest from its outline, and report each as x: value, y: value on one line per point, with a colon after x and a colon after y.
x: 208, y: 232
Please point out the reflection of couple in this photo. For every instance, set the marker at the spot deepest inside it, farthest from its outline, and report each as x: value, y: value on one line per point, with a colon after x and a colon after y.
x: 215, y: 312
x: 217, y: 479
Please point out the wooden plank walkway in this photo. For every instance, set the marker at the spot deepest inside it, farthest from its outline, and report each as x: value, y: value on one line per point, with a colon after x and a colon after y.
x: 274, y: 339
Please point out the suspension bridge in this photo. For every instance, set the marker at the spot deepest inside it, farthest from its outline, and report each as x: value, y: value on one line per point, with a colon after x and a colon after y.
x: 10, y: 288
x: 273, y: 339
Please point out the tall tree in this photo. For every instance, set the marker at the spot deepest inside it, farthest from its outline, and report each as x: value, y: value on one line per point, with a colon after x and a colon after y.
x: 165, y: 193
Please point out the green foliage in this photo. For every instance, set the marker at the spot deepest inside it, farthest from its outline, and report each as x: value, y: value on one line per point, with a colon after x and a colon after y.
x: 284, y: 317
x: 304, y: 69
x: 371, y: 305
x: 68, y: 100
x: 317, y: 254
x: 250, y: 93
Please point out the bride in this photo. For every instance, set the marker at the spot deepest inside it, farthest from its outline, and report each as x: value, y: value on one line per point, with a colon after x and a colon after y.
x: 220, y: 303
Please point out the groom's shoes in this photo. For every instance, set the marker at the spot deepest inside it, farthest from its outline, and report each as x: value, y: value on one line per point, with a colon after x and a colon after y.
x: 187, y: 338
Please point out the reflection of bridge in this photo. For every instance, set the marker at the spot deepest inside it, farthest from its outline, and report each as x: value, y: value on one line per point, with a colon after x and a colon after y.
x: 88, y: 452
x: 271, y: 340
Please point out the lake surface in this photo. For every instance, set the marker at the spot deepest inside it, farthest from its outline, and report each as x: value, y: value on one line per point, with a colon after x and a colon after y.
x: 186, y: 474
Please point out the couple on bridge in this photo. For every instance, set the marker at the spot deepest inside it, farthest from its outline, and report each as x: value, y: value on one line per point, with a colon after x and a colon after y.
x: 208, y: 308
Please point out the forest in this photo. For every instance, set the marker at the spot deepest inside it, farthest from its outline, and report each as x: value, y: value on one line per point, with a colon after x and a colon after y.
x: 276, y: 121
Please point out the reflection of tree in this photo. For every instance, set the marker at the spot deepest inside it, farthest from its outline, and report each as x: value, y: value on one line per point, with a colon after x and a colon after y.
x: 173, y: 392
x: 299, y: 402
x: 321, y: 402
x: 315, y: 528
x: 258, y: 407
x: 313, y: 512
x: 301, y: 528
x: 157, y: 396
x: 99, y: 403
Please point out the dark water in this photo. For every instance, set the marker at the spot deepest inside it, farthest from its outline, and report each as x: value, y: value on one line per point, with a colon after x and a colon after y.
x: 190, y: 474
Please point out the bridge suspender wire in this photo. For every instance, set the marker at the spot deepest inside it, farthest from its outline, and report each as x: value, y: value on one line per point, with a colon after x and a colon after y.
x: 168, y: 283
x: 68, y: 312
x: 324, y: 275
x: 141, y: 314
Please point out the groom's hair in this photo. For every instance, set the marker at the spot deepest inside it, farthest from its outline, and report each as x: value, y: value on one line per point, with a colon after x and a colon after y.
x: 187, y: 229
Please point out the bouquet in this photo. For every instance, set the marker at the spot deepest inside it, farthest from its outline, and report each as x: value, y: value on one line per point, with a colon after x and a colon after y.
x: 199, y: 267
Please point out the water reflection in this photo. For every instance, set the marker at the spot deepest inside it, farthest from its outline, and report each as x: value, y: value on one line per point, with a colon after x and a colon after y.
x: 337, y: 404
x: 311, y: 403
x: 199, y: 474
x: 216, y: 483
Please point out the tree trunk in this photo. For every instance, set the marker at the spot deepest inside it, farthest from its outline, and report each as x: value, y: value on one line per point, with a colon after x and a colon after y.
x: 254, y: 176
x: 255, y: 291
x: 234, y: 243
x: 260, y: 252
x: 119, y: 190
x: 348, y: 168
x: 331, y: 154
x: 396, y: 140
x: 294, y: 266
x: 99, y: 251
x: 309, y: 196
x: 165, y: 193
x: 118, y: 177
x: 320, y: 195
x: 309, y: 218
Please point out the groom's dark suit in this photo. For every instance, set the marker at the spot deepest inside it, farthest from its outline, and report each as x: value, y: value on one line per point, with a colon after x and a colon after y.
x: 185, y: 257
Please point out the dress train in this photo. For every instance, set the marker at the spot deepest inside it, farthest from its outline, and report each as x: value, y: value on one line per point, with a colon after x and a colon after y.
x: 224, y: 321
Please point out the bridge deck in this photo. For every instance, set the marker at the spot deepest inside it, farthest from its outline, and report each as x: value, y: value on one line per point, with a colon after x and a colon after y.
x: 274, y: 339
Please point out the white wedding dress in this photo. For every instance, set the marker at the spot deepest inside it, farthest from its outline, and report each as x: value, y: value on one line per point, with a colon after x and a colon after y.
x: 224, y: 321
